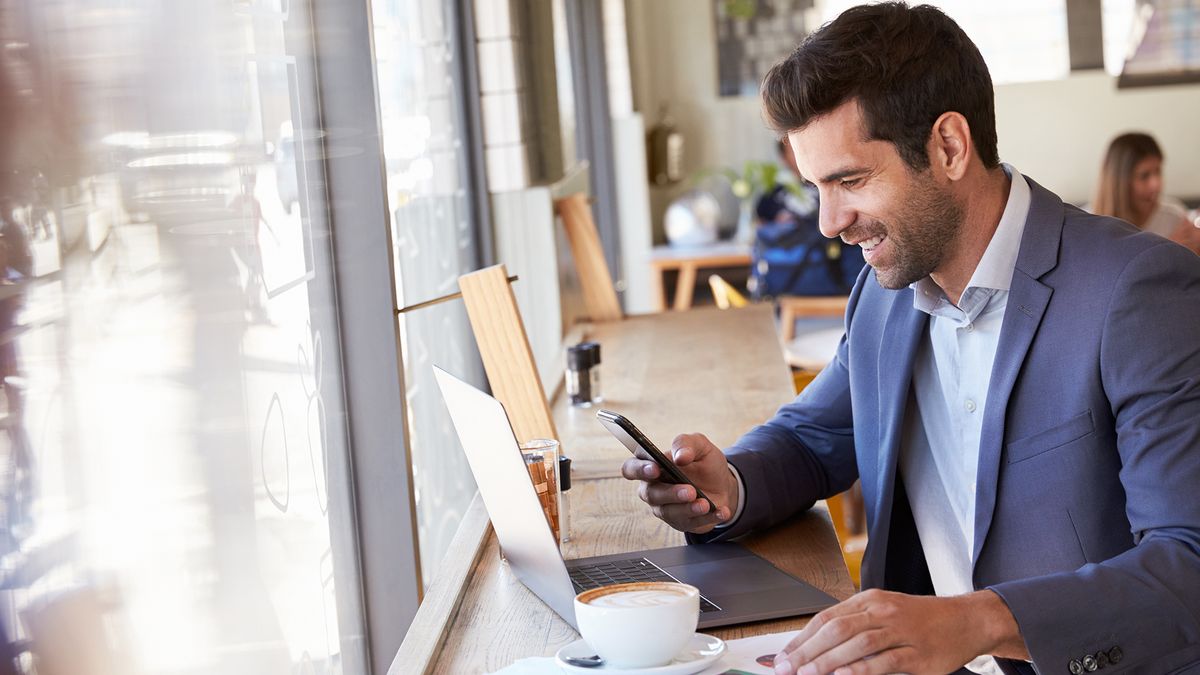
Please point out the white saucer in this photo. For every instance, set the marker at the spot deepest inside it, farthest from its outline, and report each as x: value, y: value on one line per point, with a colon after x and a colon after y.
x: 701, y: 651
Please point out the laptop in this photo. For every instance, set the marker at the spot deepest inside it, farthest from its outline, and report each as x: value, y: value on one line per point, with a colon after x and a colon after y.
x: 737, y: 585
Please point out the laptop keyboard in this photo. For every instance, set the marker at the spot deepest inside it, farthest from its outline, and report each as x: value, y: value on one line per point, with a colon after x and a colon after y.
x: 586, y: 577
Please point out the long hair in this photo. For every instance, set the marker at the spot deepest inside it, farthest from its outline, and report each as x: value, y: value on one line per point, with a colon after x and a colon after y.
x: 1114, y: 190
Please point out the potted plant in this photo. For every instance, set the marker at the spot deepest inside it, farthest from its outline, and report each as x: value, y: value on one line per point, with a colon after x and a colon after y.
x: 754, y: 180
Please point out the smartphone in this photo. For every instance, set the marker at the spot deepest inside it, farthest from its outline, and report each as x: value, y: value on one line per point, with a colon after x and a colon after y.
x: 641, y: 447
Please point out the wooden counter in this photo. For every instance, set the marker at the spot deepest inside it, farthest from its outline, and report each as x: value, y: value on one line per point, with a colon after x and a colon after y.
x: 709, y: 371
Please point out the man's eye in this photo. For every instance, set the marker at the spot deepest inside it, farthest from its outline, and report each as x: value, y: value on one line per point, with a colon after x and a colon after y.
x: 851, y: 183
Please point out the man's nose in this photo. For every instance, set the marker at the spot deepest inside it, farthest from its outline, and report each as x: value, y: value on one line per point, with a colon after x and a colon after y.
x: 834, y: 217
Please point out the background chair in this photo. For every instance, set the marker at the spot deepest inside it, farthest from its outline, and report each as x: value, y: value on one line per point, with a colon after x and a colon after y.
x: 599, y: 294
x: 725, y: 295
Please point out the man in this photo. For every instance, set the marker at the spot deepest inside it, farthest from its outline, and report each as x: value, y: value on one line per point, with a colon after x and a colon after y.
x: 1018, y: 389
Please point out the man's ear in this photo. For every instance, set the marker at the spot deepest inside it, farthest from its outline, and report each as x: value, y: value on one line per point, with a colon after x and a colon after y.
x: 950, y: 145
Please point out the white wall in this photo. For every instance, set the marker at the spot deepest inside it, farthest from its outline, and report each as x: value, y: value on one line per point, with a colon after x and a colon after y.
x: 1055, y: 132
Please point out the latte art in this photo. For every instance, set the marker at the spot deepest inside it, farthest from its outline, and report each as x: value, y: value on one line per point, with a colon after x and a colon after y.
x: 615, y: 620
x: 637, y: 598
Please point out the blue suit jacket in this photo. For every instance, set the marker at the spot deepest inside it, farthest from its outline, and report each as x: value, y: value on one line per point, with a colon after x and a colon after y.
x: 1087, y: 516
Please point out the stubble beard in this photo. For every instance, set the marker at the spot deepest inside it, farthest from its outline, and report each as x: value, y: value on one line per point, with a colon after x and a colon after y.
x: 921, y: 233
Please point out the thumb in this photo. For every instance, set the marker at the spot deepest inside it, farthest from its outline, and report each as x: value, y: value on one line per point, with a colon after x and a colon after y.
x: 695, y: 449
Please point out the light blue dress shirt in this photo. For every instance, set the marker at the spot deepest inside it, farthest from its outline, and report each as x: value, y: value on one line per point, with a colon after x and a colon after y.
x: 939, y: 456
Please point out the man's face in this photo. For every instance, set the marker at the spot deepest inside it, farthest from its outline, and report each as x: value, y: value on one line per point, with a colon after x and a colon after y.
x: 903, y: 220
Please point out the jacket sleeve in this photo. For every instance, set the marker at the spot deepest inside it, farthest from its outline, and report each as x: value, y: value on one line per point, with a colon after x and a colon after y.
x: 1145, y: 602
x: 802, y: 454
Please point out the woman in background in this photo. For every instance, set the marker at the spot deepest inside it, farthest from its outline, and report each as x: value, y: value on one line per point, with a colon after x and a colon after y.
x: 1130, y: 188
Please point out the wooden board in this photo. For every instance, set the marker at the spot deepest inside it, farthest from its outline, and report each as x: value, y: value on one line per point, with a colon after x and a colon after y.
x: 599, y: 295
x: 507, y: 357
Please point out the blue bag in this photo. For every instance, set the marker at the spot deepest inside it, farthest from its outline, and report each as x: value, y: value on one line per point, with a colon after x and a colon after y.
x: 791, y: 257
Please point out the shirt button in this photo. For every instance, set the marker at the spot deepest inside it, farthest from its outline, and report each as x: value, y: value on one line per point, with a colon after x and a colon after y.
x: 970, y: 405
x: 1075, y: 667
x: 1089, y: 663
x: 970, y: 327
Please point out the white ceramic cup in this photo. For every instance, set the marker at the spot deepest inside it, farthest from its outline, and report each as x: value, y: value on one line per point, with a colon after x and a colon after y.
x: 638, y: 625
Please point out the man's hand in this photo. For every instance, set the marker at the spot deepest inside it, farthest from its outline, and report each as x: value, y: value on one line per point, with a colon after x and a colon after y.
x: 882, y: 632
x: 676, y: 505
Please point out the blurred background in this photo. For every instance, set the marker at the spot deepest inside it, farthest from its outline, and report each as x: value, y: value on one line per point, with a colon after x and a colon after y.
x: 220, y: 449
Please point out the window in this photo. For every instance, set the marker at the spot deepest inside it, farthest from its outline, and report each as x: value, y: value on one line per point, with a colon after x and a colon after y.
x: 1021, y: 40
x: 177, y: 481
x: 421, y: 105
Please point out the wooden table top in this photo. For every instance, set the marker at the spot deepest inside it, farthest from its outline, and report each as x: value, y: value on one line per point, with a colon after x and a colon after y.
x: 709, y: 371
x: 710, y: 255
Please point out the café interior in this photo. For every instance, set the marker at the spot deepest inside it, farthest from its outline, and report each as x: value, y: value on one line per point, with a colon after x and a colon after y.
x: 239, y: 236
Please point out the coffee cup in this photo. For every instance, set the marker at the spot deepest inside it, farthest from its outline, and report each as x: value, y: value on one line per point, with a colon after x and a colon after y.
x: 638, y: 625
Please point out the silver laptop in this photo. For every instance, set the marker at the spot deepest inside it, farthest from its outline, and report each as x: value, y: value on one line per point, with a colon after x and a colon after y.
x: 737, y: 586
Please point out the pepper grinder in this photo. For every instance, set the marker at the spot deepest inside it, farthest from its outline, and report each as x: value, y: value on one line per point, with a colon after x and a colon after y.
x: 593, y: 350
x: 579, y: 375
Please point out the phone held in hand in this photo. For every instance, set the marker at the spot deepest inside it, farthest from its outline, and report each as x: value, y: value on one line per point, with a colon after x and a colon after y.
x: 641, y: 447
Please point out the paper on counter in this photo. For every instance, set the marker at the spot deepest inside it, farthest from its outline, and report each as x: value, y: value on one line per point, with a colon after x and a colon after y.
x: 741, y: 655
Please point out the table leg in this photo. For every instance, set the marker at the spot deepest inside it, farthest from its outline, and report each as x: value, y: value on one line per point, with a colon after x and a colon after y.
x: 685, y: 287
x: 657, y: 291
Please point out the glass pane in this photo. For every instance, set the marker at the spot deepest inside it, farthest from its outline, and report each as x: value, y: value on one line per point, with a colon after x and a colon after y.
x: 173, y: 437
x: 1117, y: 22
x: 1021, y: 40
x: 420, y: 101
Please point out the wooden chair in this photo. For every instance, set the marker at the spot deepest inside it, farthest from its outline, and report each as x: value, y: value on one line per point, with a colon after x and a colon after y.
x: 792, y: 307
x: 599, y: 294
x: 725, y: 295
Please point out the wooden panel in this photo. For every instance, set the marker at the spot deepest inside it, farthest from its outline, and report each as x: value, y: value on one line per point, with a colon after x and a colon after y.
x: 440, y: 606
x: 507, y: 358
x: 594, y: 276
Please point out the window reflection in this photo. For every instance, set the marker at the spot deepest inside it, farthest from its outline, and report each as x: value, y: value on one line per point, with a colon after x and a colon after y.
x: 417, y: 66
x: 171, y: 432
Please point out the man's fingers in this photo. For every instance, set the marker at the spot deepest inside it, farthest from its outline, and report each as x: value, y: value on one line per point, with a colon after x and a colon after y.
x: 637, y: 469
x: 832, y: 633
x: 666, y: 493
x: 900, y: 659
x: 683, y: 456
x: 862, y: 645
x: 688, y: 448
x: 797, y: 651
x: 684, y: 516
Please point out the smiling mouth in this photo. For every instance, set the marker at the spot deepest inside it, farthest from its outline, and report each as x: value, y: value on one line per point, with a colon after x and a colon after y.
x: 869, y: 244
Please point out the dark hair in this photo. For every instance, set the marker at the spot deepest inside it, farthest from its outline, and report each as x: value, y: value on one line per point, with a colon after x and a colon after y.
x: 905, y: 66
x: 1114, y: 191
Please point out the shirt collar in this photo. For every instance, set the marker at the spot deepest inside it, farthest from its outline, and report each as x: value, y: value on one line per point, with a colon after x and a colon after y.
x: 995, y: 269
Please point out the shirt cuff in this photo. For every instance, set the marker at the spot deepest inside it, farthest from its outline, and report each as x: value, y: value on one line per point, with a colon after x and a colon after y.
x: 741, y: 490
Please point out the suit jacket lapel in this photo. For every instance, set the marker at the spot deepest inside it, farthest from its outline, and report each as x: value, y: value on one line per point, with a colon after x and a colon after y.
x: 901, y: 336
x: 1027, y: 302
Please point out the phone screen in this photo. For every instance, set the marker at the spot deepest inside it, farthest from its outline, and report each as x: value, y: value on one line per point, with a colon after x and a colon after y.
x: 637, y: 443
